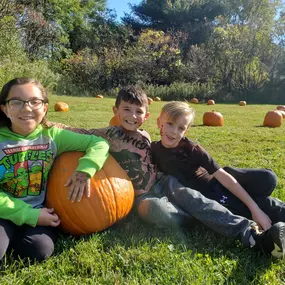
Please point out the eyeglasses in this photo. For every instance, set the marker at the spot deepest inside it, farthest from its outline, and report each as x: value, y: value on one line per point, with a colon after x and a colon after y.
x: 17, y: 104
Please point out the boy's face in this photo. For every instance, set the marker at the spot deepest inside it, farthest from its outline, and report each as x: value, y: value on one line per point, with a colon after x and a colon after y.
x: 171, y: 131
x: 131, y: 116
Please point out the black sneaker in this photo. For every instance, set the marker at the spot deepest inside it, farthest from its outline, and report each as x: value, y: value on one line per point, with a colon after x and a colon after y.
x: 271, y: 241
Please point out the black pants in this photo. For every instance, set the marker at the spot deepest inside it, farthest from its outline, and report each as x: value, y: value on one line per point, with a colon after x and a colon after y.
x: 36, y: 243
x: 259, y: 184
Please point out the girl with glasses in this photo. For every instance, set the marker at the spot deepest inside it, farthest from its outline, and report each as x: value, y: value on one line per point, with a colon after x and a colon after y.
x: 28, y: 146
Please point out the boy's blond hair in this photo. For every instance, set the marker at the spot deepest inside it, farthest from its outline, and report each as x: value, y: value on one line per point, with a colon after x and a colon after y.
x: 176, y: 109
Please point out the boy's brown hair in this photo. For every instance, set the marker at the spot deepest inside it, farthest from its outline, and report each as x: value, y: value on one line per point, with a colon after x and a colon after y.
x: 176, y: 109
x: 133, y: 95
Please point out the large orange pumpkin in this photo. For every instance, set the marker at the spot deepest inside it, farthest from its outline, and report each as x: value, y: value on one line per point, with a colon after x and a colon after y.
x: 242, y: 103
x: 211, y: 102
x: 61, y: 107
x: 213, y: 119
x: 111, y: 199
x: 194, y: 101
x: 114, y: 121
x: 273, y: 119
x: 149, y: 100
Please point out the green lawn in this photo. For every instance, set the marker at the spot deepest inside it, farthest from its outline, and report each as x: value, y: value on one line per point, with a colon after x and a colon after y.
x: 134, y: 253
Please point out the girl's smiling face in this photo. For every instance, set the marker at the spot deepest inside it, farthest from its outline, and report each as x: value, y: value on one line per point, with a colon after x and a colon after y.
x: 25, y: 119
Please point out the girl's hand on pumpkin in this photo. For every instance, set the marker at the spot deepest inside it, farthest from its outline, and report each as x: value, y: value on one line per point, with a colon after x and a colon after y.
x: 79, y: 183
x: 261, y: 219
x: 48, y: 218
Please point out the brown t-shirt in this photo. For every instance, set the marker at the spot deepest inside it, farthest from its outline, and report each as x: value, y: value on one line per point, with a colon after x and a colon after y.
x: 132, y: 151
x: 188, y: 162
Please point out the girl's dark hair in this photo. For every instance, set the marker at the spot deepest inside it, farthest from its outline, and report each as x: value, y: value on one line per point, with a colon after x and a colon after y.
x: 4, y: 121
x: 132, y: 94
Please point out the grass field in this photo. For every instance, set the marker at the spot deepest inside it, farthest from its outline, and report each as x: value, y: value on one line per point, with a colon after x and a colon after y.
x: 134, y: 253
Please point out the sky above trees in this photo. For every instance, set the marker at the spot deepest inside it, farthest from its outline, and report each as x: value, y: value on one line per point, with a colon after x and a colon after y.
x: 121, y: 6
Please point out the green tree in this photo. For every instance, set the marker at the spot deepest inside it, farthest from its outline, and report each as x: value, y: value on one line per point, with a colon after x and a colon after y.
x: 46, y: 24
x: 101, y: 32
x: 157, y: 56
x: 241, y: 46
x: 195, y: 18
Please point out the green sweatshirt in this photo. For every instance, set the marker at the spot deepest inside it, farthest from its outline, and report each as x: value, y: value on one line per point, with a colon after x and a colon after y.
x: 25, y: 163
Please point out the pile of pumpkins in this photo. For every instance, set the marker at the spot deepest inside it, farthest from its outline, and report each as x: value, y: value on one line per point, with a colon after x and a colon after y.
x: 275, y: 117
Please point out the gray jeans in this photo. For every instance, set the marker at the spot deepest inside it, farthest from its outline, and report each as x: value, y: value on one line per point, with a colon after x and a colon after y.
x: 170, y: 204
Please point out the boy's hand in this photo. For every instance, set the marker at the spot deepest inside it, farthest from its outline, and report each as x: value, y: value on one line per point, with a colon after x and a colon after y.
x: 261, y: 219
x: 78, y: 182
x: 48, y: 217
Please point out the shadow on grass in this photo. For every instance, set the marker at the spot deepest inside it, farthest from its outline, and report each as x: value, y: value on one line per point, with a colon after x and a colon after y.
x: 198, y: 240
x: 193, y: 243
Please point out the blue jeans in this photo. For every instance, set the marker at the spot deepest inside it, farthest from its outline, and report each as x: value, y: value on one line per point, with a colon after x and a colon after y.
x: 170, y: 204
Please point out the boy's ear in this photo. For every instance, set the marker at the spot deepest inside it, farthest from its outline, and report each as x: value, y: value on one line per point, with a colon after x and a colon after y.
x: 115, y: 110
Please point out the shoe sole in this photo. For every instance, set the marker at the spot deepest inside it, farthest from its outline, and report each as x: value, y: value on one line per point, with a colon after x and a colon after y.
x: 278, y: 238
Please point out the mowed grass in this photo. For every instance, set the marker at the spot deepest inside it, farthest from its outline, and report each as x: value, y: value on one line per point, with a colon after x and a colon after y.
x: 134, y: 253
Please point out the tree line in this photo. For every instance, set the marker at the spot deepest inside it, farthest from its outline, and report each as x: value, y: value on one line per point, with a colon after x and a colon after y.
x: 178, y: 49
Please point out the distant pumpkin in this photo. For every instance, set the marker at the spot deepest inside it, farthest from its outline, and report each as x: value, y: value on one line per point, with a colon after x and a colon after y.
x: 194, y: 101
x: 281, y: 107
x: 282, y: 113
x: 99, y: 96
x: 211, y: 102
x: 242, y: 103
x: 111, y: 198
x: 149, y: 100
x: 273, y: 119
x: 213, y: 119
x: 61, y: 107
x: 156, y: 99
x: 114, y: 121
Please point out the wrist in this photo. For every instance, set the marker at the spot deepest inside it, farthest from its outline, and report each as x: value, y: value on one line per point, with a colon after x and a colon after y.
x: 254, y: 208
x: 83, y: 174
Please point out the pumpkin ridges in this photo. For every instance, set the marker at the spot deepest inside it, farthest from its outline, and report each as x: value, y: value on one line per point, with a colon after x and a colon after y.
x: 68, y: 210
x: 100, y: 206
x: 109, y: 207
x: 124, y: 197
x: 113, y: 192
x: 103, y: 206
x: 104, y: 200
x: 121, y: 197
